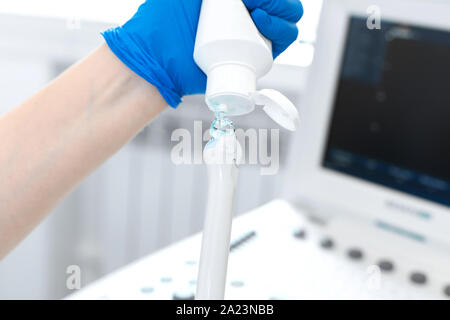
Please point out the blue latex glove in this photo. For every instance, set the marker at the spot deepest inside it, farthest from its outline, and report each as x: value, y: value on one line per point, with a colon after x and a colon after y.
x: 157, y: 43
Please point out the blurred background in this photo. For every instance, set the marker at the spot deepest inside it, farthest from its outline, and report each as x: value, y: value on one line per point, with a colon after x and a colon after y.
x: 126, y: 209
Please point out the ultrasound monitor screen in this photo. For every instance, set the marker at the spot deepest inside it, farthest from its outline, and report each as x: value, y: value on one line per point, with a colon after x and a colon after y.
x: 391, y: 118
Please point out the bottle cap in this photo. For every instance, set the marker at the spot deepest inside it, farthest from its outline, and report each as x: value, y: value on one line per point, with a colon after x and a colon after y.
x: 231, y: 89
x: 278, y: 107
x: 230, y: 85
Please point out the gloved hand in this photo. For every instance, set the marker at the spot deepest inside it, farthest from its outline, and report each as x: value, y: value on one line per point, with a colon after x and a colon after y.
x: 157, y: 43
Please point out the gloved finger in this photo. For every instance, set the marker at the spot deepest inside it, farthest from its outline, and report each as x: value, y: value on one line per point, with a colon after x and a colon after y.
x: 290, y: 10
x: 281, y: 32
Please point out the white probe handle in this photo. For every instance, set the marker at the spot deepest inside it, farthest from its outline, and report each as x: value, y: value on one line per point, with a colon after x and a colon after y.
x: 217, y: 229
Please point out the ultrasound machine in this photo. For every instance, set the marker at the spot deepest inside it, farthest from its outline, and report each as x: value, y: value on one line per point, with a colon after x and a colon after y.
x: 366, y: 207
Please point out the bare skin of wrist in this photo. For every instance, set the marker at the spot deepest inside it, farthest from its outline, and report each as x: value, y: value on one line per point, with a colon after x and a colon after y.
x: 56, y: 138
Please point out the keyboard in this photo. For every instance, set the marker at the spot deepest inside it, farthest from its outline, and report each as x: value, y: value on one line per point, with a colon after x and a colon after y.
x: 279, y: 252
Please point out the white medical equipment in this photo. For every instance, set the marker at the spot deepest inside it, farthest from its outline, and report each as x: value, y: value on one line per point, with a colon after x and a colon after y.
x: 233, y: 54
x: 222, y: 156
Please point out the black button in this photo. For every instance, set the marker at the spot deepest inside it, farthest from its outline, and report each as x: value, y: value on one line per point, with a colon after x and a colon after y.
x: 300, y: 234
x: 183, y: 296
x: 241, y: 241
x: 327, y: 243
x: 386, y: 265
x: 355, y: 254
x: 447, y: 291
x: 418, y: 278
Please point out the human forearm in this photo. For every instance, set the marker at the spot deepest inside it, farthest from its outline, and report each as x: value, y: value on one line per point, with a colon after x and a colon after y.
x: 61, y: 134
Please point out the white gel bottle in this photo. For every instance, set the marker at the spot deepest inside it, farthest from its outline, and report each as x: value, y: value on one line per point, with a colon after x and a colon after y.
x: 234, y: 55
